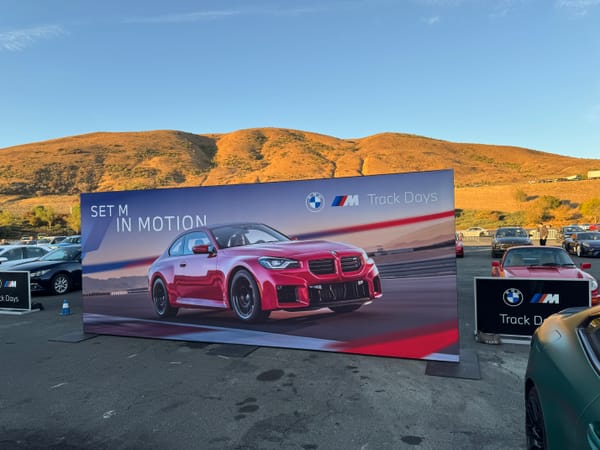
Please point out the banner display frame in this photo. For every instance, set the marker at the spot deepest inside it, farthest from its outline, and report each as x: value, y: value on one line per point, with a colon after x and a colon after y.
x: 14, y: 285
x: 516, y: 306
x: 394, y: 220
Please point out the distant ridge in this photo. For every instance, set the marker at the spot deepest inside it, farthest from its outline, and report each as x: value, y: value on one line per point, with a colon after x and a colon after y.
x: 106, y: 161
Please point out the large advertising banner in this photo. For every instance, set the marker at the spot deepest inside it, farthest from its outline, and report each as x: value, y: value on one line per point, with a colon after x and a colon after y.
x: 360, y: 265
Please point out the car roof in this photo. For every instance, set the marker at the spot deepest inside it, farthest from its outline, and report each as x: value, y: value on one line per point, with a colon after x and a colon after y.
x: 10, y: 246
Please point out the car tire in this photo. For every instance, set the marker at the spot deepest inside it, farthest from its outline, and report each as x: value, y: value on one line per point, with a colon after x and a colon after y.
x: 344, y: 309
x: 60, y: 284
x: 535, y: 428
x: 244, y: 298
x: 160, y: 300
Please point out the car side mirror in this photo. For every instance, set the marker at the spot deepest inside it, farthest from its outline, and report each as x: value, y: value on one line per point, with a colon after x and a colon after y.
x: 586, y: 265
x: 206, y: 249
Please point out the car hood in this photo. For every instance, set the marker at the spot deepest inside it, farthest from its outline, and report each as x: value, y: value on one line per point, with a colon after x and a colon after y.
x: 546, y: 272
x: 37, y: 265
x: 591, y: 243
x: 294, y: 249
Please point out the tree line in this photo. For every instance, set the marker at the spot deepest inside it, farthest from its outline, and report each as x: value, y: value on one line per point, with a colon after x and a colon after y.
x: 39, y: 220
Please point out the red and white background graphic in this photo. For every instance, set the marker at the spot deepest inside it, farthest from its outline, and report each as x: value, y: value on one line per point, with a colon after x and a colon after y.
x: 404, y: 223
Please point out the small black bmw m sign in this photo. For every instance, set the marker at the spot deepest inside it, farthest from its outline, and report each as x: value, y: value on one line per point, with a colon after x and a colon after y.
x: 517, y: 306
x: 14, y: 291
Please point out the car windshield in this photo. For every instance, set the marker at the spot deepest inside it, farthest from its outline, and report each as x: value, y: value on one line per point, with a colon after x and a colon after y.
x: 535, y: 256
x: 63, y: 254
x: 588, y: 236
x: 512, y: 232
x: 238, y: 235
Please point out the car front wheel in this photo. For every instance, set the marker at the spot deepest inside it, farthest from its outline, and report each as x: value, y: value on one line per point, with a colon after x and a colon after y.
x: 534, y: 421
x: 244, y: 298
x: 60, y: 284
x: 160, y: 299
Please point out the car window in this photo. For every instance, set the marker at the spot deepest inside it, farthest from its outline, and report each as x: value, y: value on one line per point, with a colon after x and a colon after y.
x: 34, y: 252
x: 177, y: 248
x: 589, y: 333
x: 13, y: 254
x: 536, y: 256
x: 63, y: 254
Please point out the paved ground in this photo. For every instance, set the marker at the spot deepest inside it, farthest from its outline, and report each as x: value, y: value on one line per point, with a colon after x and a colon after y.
x: 125, y: 393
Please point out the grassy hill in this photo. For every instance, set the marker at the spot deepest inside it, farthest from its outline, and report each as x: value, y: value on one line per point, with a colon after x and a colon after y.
x: 54, y: 172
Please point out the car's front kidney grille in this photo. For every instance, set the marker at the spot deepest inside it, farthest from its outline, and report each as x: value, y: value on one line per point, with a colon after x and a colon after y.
x: 322, y: 266
x: 327, y: 266
x: 350, y: 263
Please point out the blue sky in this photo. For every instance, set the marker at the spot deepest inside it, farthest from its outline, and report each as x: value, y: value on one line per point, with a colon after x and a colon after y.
x: 510, y: 72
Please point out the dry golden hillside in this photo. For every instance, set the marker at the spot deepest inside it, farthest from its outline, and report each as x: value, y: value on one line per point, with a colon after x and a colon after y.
x: 55, y: 172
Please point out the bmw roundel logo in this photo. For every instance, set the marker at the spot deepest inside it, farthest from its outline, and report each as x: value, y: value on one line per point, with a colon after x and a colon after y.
x: 512, y: 297
x: 315, y: 201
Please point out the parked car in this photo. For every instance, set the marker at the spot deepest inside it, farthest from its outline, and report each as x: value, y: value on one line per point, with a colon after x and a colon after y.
x: 543, y: 262
x: 459, y: 246
x: 52, y: 240
x: 476, y: 231
x: 57, y: 272
x: 19, y: 253
x: 586, y: 243
x: 595, y: 227
x: 568, y: 231
x: 506, y: 237
x: 562, y: 382
x: 254, y: 269
x: 70, y: 240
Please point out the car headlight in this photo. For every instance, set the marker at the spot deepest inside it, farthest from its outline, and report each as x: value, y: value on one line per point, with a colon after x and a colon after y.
x: 594, y: 284
x: 39, y: 273
x: 270, y: 262
x: 585, y: 244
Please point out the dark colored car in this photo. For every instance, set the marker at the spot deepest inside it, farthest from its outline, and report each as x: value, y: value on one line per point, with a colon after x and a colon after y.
x: 254, y: 269
x: 562, y: 385
x: 586, y: 243
x: 506, y: 237
x: 543, y: 262
x: 57, y: 272
x: 567, y: 231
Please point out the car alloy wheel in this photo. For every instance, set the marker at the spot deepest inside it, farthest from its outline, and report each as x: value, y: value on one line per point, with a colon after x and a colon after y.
x: 244, y: 297
x: 160, y: 299
x: 60, y: 284
x: 534, y: 421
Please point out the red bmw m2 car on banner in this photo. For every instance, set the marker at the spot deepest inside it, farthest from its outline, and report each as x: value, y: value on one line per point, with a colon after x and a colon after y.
x: 254, y: 269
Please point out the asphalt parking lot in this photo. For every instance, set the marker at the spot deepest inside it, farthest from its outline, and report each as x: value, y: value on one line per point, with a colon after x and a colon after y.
x: 108, y: 392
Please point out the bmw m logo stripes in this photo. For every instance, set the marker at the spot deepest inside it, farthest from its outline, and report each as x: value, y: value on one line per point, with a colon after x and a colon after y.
x: 345, y: 200
x: 545, y: 298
